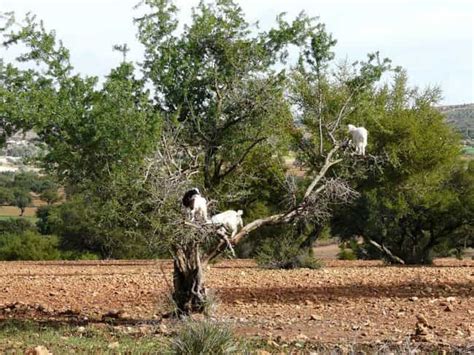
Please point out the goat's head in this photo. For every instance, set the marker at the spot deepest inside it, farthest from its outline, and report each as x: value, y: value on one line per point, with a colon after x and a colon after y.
x: 351, y: 127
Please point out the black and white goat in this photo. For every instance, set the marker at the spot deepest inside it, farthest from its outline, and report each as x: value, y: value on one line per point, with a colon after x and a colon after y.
x: 195, y: 204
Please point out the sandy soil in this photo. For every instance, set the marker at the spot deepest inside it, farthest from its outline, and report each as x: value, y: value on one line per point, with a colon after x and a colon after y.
x: 345, y: 302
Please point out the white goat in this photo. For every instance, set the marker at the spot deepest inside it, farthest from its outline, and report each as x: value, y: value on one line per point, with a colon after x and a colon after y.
x: 359, y: 138
x: 195, y: 203
x: 231, y: 220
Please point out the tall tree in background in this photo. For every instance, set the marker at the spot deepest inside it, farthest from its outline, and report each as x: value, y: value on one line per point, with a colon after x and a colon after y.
x: 411, y: 206
x: 96, y: 138
x: 221, y: 98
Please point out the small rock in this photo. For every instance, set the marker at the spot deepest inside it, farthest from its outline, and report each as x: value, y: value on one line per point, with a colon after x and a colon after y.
x: 113, y: 313
x: 302, y: 337
x: 449, y: 308
x: 421, y: 319
x: 113, y: 345
x: 123, y: 315
x: 413, y: 299
x: 164, y: 329
x: 315, y: 317
x: 39, y: 350
x: 451, y: 299
x: 81, y: 329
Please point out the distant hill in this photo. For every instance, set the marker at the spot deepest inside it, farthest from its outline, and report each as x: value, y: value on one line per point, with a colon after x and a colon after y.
x: 461, y: 117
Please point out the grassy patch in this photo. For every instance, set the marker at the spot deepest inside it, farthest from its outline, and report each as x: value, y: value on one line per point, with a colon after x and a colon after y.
x: 18, y: 336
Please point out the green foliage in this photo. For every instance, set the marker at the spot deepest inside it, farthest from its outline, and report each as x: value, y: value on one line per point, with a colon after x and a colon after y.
x: 21, y: 199
x: 6, y: 196
x: 80, y: 227
x: 28, y: 245
x: 76, y: 255
x: 42, y: 224
x: 15, y: 226
x: 205, y: 338
x: 50, y: 196
x: 285, y: 253
x: 410, y: 204
x: 346, y: 254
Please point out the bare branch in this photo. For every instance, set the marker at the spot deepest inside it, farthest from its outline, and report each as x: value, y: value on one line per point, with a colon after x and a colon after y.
x: 327, y: 164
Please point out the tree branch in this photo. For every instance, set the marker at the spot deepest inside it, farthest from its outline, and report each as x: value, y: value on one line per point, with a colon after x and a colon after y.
x: 242, y: 158
x: 387, y: 252
x: 280, y: 217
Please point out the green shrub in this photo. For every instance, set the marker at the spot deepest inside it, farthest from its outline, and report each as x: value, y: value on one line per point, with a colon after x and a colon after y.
x: 205, y: 338
x: 285, y: 253
x: 42, y: 213
x: 77, y: 255
x: 6, y: 196
x: 346, y: 254
x: 15, y: 226
x: 28, y: 246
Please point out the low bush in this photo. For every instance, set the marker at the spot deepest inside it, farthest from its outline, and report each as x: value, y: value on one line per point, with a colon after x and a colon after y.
x: 285, y: 253
x: 16, y: 226
x: 77, y: 255
x: 346, y: 254
x: 205, y: 338
x: 28, y: 245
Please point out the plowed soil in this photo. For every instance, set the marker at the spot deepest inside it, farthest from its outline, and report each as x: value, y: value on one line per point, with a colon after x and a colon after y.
x: 344, y: 302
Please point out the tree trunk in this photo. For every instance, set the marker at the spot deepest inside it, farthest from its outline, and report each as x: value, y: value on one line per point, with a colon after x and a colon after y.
x: 189, y: 292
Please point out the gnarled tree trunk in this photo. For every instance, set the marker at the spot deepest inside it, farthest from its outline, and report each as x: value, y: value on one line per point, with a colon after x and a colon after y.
x: 189, y: 291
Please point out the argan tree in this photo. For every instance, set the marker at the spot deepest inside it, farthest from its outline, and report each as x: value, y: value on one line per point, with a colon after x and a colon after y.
x: 223, y: 96
x: 224, y: 111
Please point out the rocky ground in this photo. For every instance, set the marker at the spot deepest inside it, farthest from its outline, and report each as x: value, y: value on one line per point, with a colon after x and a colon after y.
x: 346, y: 302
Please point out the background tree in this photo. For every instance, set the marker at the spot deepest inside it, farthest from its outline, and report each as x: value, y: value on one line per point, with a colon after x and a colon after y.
x: 22, y: 199
x: 409, y: 205
x: 221, y: 97
x: 96, y: 138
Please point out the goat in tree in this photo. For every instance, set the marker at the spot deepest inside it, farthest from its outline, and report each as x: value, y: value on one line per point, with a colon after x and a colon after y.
x: 230, y: 220
x: 195, y: 203
x: 359, y: 138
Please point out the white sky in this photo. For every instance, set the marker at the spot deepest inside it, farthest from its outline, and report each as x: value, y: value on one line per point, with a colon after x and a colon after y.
x: 431, y: 39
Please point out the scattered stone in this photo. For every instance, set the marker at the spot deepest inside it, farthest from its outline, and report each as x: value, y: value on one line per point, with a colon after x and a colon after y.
x: 413, y: 299
x: 422, y: 319
x: 113, y: 313
x: 164, y: 329
x: 449, y: 308
x: 301, y: 336
x: 451, y: 299
x: 113, y: 345
x: 315, y: 317
x: 39, y: 350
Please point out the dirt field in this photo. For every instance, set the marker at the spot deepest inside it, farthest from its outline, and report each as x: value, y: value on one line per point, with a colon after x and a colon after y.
x: 345, y: 302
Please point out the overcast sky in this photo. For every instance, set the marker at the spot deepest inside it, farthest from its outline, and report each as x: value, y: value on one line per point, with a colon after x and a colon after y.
x: 431, y: 39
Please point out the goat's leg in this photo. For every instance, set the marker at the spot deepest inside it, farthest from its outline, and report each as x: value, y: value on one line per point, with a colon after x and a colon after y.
x: 229, y: 245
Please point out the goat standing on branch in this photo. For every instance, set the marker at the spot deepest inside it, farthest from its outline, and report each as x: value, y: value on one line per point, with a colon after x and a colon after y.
x: 230, y: 220
x: 359, y: 138
x: 195, y: 203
